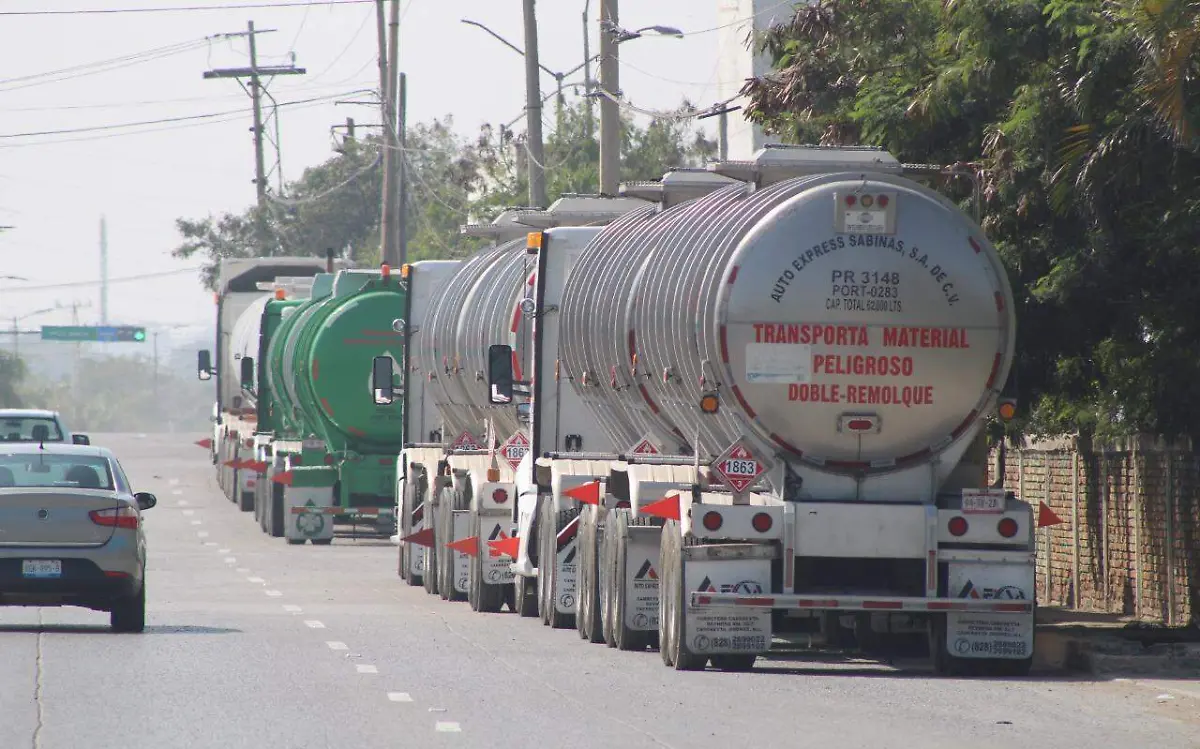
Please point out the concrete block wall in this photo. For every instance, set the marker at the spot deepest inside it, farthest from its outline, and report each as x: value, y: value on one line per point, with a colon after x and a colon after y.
x: 1129, y: 542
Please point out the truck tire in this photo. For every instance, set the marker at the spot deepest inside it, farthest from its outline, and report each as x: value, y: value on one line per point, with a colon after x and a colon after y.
x: 673, y: 648
x: 588, y: 619
x: 525, y: 596
x: 484, y: 598
x: 624, y: 638
x: 246, y: 503
x: 275, y: 522
x: 548, y: 565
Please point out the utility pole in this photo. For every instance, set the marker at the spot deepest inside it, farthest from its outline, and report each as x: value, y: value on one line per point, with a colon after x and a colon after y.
x: 402, y: 171
x: 610, y: 119
x: 533, y: 111
x: 387, y: 204
x: 723, y: 135
x: 587, y: 73
x: 255, y: 73
x: 103, y: 271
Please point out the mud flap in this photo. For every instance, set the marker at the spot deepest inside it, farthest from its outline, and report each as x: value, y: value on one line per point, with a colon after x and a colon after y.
x: 415, y: 554
x: 566, y: 559
x: 497, y: 568
x: 986, y: 635
x: 719, y: 631
x: 641, y: 577
x: 306, y: 511
x: 461, y: 569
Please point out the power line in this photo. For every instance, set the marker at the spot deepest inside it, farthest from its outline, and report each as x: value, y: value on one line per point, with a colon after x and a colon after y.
x: 160, y: 121
x: 735, y: 22
x: 97, y: 282
x: 182, y: 8
x: 103, y: 66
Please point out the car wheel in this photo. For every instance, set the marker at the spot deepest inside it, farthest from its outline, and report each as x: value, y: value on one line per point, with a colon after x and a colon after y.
x: 129, y: 614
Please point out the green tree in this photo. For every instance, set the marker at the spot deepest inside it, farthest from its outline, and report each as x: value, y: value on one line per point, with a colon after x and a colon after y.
x: 12, y: 374
x: 1075, y: 117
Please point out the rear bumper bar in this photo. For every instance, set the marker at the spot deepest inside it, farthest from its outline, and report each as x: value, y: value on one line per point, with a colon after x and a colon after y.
x: 703, y: 600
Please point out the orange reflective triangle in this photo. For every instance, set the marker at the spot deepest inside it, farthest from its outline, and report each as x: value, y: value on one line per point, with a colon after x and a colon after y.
x: 588, y: 493
x: 505, y: 546
x: 206, y: 442
x: 1046, y: 516
x: 468, y: 546
x: 420, y: 538
x: 667, y: 507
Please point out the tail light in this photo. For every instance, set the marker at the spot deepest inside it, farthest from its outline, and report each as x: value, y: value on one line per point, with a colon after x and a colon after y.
x: 328, y: 460
x: 1007, y: 527
x: 500, y: 496
x: 762, y: 522
x: 713, y: 520
x: 958, y: 526
x: 249, y: 443
x: 116, y: 517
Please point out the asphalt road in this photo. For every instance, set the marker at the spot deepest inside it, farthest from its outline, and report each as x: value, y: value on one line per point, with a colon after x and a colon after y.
x: 253, y: 643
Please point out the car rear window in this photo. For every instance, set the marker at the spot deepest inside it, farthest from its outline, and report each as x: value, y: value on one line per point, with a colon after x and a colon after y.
x: 60, y: 471
x: 30, y: 429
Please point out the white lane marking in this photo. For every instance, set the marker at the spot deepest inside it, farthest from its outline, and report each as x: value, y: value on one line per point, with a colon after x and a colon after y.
x: 399, y: 697
x: 311, y: 623
x: 274, y: 593
x: 197, y: 522
x: 173, y: 482
x: 202, y: 534
x: 189, y: 512
x: 291, y: 608
x: 230, y: 560
x: 210, y: 543
x: 182, y: 502
x: 255, y: 580
x: 362, y: 669
x: 334, y: 645
x: 177, y: 492
x: 445, y: 726
x: 224, y: 551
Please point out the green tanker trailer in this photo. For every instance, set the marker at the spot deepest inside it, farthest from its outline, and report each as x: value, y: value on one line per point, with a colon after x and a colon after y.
x: 345, y: 465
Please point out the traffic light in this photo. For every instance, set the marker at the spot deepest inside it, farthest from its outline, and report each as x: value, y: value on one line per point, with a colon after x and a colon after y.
x: 130, y: 333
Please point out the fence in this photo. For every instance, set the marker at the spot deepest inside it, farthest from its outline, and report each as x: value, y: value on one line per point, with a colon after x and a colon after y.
x: 1129, y: 542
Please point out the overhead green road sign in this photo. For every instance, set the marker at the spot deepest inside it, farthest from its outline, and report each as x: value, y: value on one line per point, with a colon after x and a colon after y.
x: 94, y: 333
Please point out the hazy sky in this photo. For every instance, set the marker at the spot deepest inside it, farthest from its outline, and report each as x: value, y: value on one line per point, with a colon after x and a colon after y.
x: 54, y: 188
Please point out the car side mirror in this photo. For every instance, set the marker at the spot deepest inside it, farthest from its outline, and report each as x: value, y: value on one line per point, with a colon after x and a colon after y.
x: 204, y: 364
x: 81, y: 439
x: 500, y: 374
x: 145, y: 500
x: 381, y: 381
x: 248, y: 373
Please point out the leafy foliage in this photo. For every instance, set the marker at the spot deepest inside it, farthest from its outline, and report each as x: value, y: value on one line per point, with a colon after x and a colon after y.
x: 450, y: 181
x: 1077, y: 118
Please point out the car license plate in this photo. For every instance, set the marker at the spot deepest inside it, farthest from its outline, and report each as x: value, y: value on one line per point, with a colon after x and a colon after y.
x: 42, y: 568
x: 983, y: 501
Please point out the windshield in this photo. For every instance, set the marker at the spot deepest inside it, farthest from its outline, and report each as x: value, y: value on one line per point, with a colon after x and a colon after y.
x: 30, y: 429
x: 59, y: 471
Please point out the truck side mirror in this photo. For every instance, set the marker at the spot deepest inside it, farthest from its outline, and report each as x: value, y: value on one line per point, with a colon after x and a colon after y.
x: 248, y: 372
x: 500, y: 374
x: 204, y: 365
x: 381, y: 381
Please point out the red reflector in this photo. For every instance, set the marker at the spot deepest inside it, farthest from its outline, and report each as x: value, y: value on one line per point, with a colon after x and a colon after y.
x: 944, y: 606
x: 859, y: 425
x: 882, y: 605
x: 851, y: 200
x: 116, y: 517
x: 385, y: 461
x: 328, y: 460
x: 114, y: 573
x: 762, y: 522
x: 713, y: 520
x: 756, y: 602
x: 958, y: 526
x: 882, y: 201
x: 704, y: 600
x: 1011, y: 607
x: 1007, y: 527
x: 500, y: 496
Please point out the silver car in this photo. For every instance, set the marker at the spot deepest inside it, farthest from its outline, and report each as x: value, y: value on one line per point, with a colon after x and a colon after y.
x: 36, y: 425
x: 71, y: 531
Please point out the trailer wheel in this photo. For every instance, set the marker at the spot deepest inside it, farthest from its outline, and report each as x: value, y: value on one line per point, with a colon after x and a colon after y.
x: 671, y: 630
x: 624, y: 638
x: 588, y: 620
x: 525, y: 600
x: 487, y: 599
x: 548, y: 566
x: 246, y: 499
x: 275, y: 522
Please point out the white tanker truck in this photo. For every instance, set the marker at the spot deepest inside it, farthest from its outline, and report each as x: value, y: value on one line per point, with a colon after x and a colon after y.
x: 755, y: 408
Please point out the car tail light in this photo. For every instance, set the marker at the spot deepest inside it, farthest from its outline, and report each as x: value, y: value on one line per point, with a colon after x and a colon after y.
x: 713, y: 520
x: 1007, y: 527
x: 762, y: 522
x: 117, y: 517
x: 958, y: 526
x: 500, y: 496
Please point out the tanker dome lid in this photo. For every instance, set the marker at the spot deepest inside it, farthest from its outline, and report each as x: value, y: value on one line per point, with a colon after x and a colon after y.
x: 576, y: 210
x: 322, y: 286
x: 508, y: 225
x: 351, y: 280
x: 775, y: 163
x: 677, y: 185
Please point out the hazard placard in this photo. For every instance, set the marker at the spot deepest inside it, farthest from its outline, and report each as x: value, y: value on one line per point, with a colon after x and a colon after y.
x: 646, y: 447
x: 466, y: 441
x: 514, y: 449
x: 738, y: 467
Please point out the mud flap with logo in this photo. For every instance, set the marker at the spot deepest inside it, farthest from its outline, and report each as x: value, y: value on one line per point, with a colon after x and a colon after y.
x: 714, y: 631
x: 416, y: 553
x: 971, y: 635
x: 462, y: 562
x: 641, y: 577
x: 497, y: 567
x: 307, y: 511
x: 567, y: 569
